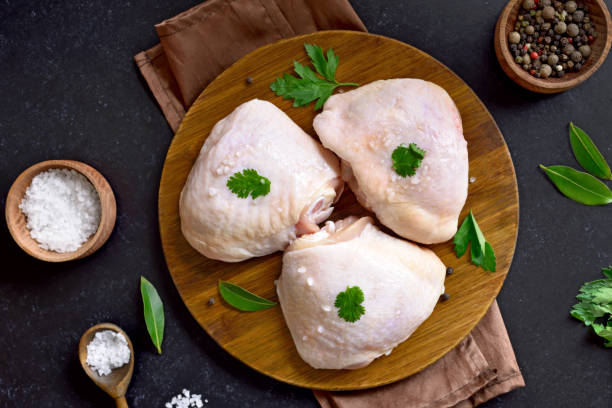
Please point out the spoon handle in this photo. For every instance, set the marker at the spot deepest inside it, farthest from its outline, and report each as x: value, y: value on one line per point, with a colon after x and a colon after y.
x: 121, y: 402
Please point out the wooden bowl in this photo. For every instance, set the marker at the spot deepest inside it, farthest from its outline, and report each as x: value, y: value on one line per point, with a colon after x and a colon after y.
x: 16, y: 220
x: 600, y: 16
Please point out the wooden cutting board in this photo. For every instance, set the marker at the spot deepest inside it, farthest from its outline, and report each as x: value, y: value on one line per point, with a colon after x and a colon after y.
x: 261, y: 339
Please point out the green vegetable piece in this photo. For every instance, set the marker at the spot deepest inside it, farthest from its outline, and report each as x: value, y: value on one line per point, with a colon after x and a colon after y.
x: 309, y: 87
x: 326, y: 68
x: 242, y: 299
x: 153, y: 312
x: 407, y: 159
x: 596, y: 305
x: 579, y: 186
x: 248, y: 182
x: 587, y: 154
x: 349, y: 304
x: 481, y: 251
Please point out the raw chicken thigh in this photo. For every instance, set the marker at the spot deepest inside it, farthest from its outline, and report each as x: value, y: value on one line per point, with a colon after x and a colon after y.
x: 400, y: 281
x: 304, y: 183
x: 366, y: 125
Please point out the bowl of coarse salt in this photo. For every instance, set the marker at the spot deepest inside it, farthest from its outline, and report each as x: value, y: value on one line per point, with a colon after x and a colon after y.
x: 60, y: 210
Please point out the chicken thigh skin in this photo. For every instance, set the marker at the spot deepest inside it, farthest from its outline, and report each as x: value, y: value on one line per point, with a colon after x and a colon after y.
x: 304, y: 183
x: 401, y: 283
x: 364, y: 126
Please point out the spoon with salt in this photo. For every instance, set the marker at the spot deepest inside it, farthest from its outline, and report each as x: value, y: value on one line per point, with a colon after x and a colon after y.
x: 116, y: 383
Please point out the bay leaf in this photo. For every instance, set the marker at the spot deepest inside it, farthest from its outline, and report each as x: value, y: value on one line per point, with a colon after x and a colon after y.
x: 242, y: 299
x: 579, y: 186
x: 153, y: 312
x: 587, y: 154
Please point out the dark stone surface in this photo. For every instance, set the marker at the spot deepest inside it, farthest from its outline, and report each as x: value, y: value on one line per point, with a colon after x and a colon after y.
x: 69, y: 89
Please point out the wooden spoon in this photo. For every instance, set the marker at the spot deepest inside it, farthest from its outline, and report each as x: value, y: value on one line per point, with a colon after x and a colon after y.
x: 116, y: 383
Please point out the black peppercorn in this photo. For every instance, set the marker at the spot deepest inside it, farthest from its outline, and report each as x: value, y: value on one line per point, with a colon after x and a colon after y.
x: 445, y: 296
x: 249, y: 80
x: 449, y: 270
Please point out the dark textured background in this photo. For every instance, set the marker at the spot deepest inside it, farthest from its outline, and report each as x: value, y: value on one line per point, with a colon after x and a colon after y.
x: 69, y: 90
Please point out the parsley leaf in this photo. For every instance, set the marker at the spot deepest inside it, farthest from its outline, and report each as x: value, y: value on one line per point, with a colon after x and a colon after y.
x: 596, y: 304
x: 349, y: 304
x: 407, y: 159
x: 248, y: 182
x: 309, y: 86
x: 480, y: 250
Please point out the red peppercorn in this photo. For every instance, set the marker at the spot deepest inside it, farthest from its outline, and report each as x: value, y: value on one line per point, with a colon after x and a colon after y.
x: 540, y: 52
x: 540, y: 39
x: 525, y: 47
x: 532, y: 72
x: 591, y: 38
x: 534, y: 55
x: 570, y: 40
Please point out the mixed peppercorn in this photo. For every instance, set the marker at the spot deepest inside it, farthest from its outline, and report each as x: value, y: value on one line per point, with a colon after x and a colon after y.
x: 551, y: 38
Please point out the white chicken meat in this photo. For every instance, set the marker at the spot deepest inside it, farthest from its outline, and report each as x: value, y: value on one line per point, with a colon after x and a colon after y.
x: 400, y: 281
x: 304, y: 183
x: 366, y: 125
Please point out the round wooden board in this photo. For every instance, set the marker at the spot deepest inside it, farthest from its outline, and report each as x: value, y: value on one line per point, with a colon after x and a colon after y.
x: 261, y: 339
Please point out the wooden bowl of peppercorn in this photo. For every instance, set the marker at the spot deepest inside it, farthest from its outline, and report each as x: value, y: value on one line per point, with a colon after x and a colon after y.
x: 597, y: 31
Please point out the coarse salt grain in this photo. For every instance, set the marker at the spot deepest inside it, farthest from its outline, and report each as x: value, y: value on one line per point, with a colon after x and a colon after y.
x: 62, y: 209
x: 186, y: 400
x: 108, y: 350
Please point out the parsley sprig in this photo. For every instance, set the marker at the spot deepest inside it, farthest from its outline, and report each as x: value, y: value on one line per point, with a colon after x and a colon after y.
x: 480, y: 250
x: 309, y: 86
x: 349, y: 304
x: 595, y: 307
x: 406, y: 160
x: 248, y: 182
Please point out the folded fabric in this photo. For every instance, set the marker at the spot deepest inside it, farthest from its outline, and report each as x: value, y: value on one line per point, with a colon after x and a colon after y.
x: 481, y: 367
x: 199, y: 44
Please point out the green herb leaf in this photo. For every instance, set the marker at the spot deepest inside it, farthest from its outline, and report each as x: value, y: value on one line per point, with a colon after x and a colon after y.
x: 326, y: 68
x: 248, y: 182
x: 596, y: 303
x: 587, y: 154
x: 407, y: 159
x: 349, y: 304
x: 242, y: 299
x: 309, y: 87
x: 480, y: 250
x: 153, y: 312
x: 579, y: 186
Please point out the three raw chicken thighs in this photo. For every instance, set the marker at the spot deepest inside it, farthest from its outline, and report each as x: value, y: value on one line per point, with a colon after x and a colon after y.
x: 400, y: 281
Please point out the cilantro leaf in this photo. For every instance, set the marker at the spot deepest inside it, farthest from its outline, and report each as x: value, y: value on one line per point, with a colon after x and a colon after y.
x: 326, y: 68
x: 596, y: 303
x: 309, y: 86
x: 481, y: 251
x: 349, y: 304
x: 248, y: 182
x: 407, y: 159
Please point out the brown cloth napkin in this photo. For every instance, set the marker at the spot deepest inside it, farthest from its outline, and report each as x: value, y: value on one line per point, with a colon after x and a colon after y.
x: 200, y: 43
x: 481, y: 367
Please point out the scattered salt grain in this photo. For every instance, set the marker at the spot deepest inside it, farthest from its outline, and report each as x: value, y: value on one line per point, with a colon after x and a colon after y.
x: 62, y: 209
x: 108, y: 350
x: 186, y: 400
x: 472, y: 179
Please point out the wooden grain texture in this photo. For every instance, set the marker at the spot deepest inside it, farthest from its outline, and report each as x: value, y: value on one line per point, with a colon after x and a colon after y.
x: 600, y: 16
x: 16, y: 220
x: 116, y: 383
x: 261, y: 339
